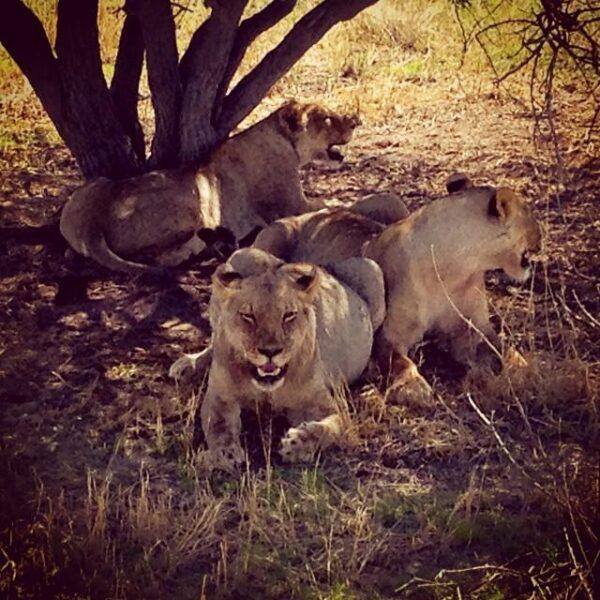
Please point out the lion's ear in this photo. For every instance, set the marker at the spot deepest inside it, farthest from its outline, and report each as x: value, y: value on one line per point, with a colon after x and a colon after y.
x: 226, y: 277
x: 458, y: 182
x: 305, y: 277
x: 502, y: 204
x: 291, y: 117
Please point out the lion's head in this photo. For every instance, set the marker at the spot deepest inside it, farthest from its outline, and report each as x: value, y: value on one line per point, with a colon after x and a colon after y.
x: 519, y: 232
x: 315, y: 131
x: 522, y: 233
x: 266, y: 314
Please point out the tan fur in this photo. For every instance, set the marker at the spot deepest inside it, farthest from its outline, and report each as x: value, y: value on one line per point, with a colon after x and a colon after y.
x: 320, y: 237
x: 331, y: 234
x: 433, y: 263
x: 294, y: 320
x: 250, y: 181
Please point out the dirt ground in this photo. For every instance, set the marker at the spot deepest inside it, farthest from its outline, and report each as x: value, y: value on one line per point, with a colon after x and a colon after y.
x: 428, y: 504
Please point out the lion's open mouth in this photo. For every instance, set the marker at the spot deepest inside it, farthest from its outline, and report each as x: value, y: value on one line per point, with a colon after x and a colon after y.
x: 333, y: 153
x: 525, y: 260
x: 269, y: 376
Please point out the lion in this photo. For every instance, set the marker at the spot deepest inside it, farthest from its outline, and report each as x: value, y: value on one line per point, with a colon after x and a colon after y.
x: 306, y: 237
x: 369, y: 215
x: 433, y: 261
x: 251, y: 180
x: 286, y: 335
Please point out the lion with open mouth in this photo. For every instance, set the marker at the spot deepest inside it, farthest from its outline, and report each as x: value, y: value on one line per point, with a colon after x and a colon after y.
x: 251, y: 180
x: 286, y: 335
x: 433, y: 261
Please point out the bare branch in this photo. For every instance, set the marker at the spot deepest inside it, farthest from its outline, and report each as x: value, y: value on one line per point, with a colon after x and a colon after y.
x: 555, y: 33
x: 158, y: 29
x: 248, y: 31
x: 126, y: 80
x: 24, y: 38
x: 309, y: 30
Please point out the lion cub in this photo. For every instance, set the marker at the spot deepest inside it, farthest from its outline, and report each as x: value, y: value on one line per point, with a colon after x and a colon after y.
x: 286, y: 335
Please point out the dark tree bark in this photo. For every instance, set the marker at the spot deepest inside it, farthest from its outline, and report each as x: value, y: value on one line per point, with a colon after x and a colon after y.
x: 193, y: 114
x: 25, y: 40
x: 71, y: 87
x: 248, y: 31
x: 126, y: 80
x: 307, y: 32
x: 92, y: 130
x: 158, y: 28
x: 205, y: 65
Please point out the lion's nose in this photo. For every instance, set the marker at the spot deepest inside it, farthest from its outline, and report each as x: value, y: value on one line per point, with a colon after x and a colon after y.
x: 355, y: 120
x: 270, y: 353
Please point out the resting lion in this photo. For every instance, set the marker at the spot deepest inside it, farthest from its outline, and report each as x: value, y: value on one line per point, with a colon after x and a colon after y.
x: 383, y: 207
x: 250, y: 181
x: 286, y: 335
x: 433, y: 263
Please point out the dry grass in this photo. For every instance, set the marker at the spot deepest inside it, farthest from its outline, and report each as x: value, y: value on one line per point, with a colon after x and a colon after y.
x: 492, y: 493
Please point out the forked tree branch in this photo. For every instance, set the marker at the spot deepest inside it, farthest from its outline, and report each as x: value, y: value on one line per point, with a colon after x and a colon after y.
x: 158, y: 29
x: 203, y: 69
x: 24, y: 38
x: 91, y: 127
x: 308, y: 31
x: 247, y: 32
x: 126, y: 79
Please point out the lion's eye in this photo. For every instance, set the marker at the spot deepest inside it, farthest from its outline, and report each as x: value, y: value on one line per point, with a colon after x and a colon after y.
x: 248, y: 317
x: 288, y: 317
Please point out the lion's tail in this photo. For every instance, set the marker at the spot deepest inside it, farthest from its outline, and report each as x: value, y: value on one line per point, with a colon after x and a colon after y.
x: 100, y: 251
x: 81, y: 226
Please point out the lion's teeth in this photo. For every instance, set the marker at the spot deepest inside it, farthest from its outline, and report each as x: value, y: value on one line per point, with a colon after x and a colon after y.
x: 264, y: 373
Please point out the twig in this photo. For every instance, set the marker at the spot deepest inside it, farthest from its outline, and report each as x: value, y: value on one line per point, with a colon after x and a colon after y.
x: 466, y: 320
x: 578, y: 569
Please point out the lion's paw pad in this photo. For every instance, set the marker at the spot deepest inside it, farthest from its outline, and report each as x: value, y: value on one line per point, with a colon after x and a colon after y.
x: 182, y: 369
x: 300, y: 444
x: 415, y: 392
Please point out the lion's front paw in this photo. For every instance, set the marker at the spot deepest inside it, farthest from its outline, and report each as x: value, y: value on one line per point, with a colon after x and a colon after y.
x: 189, y: 366
x: 414, y: 392
x: 300, y: 444
x: 228, y: 458
x: 183, y: 369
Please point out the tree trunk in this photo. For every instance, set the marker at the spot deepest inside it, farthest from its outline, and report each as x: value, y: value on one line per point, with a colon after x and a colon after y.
x: 24, y: 38
x: 158, y: 28
x: 247, y: 32
x: 92, y: 129
x: 307, y: 32
x: 192, y: 112
x: 205, y: 64
x: 71, y: 87
x: 126, y: 79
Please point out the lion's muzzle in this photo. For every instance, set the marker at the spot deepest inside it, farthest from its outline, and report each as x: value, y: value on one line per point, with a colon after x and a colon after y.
x: 269, y: 376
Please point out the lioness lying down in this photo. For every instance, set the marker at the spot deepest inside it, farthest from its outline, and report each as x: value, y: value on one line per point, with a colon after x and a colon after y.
x: 250, y: 181
x: 433, y: 263
x: 286, y: 335
x: 380, y: 208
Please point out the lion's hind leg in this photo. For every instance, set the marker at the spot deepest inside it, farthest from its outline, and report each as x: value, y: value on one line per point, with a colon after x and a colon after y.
x: 384, y: 207
x: 407, y: 386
